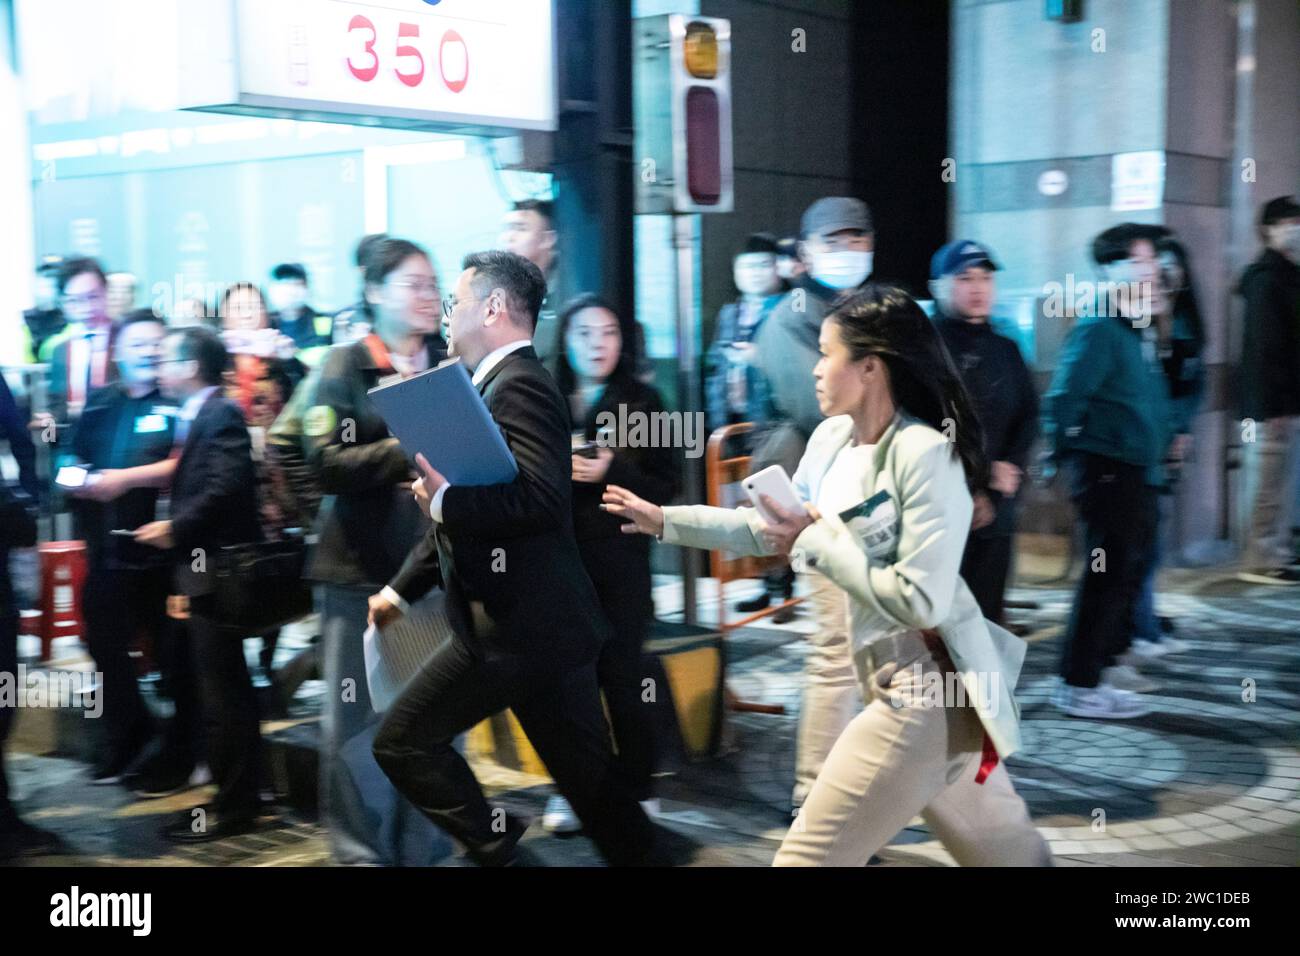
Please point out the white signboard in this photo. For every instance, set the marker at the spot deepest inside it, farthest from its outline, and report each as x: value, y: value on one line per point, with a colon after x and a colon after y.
x: 1137, y: 180
x: 474, y: 62
x: 466, y: 64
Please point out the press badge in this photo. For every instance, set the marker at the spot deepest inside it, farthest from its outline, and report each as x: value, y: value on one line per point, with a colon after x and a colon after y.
x: 145, y: 424
x: 875, y: 524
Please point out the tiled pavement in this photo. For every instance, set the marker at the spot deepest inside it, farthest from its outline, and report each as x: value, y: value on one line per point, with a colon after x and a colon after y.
x: 1211, y: 778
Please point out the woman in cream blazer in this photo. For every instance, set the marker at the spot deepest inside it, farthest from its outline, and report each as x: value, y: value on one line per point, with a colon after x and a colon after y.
x: 885, y: 481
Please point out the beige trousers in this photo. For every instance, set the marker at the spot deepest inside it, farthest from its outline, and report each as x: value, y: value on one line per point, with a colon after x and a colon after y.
x: 1270, y: 464
x: 832, y: 694
x: 893, y: 762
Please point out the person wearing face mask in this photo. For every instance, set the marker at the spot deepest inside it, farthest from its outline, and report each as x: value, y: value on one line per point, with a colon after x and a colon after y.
x: 884, y: 508
x: 597, y: 374
x: 310, y: 330
x: 1006, y: 401
x: 1107, y: 420
x: 366, y: 524
x: 837, y: 247
x: 789, y: 267
x: 1180, y: 339
x: 1270, y: 377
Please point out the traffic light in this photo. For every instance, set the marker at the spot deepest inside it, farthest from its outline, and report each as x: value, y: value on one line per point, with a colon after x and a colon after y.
x: 682, y: 77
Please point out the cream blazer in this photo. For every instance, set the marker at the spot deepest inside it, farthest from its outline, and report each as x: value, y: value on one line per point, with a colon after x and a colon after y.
x: 899, y: 564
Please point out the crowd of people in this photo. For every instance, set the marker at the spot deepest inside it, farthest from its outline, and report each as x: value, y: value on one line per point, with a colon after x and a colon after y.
x: 909, y: 436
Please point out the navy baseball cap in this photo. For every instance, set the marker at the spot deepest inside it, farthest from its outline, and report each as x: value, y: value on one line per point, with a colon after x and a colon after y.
x: 958, y: 256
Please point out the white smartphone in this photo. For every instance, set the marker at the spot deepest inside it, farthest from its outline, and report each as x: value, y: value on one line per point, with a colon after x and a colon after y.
x: 73, y: 476
x: 774, y: 483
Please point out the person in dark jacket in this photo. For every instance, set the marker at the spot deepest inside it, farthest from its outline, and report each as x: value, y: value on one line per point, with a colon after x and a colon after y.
x: 1006, y: 401
x: 1106, y: 418
x: 527, y: 625
x: 596, y: 372
x: 1180, y: 341
x: 45, y: 319
x: 1270, y: 377
x: 17, y: 530
x: 213, y: 505
x: 837, y: 244
x: 735, y: 390
x: 293, y: 315
x: 367, y: 524
x: 125, y: 435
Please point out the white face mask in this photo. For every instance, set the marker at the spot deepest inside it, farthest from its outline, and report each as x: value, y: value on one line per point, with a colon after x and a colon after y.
x: 844, y: 269
x: 1288, y: 237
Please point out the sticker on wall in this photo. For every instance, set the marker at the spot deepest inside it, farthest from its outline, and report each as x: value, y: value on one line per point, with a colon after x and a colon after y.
x: 1137, y: 180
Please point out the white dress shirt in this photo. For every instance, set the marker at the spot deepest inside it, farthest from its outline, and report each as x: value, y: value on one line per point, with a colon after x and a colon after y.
x: 490, y: 361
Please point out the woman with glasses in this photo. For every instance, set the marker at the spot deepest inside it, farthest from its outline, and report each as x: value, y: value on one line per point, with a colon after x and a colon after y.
x: 885, y: 507
x: 367, y: 524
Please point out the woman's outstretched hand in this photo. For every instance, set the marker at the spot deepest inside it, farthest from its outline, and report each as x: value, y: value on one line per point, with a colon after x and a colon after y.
x: 645, y: 517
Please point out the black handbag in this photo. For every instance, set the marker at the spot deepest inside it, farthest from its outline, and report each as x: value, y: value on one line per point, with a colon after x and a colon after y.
x: 259, y: 586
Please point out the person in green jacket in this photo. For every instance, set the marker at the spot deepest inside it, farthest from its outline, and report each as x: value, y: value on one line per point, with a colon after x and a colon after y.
x: 1107, y: 422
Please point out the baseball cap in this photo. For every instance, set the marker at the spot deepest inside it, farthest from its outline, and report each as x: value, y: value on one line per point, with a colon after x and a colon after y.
x: 1283, y: 207
x: 959, y: 255
x: 833, y: 213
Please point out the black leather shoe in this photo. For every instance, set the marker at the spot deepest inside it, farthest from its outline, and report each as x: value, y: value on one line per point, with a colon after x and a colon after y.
x: 754, y: 603
x: 187, y: 828
x: 784, y: 615
x: 19, y: 838
x: 505, y: 850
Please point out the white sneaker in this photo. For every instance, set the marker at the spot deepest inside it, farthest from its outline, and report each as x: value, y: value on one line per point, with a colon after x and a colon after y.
x: 1147, y: 650
x: 651, y: 807
x: 1126, y: 677
x: 1100, y: 703
x: 559, y: 816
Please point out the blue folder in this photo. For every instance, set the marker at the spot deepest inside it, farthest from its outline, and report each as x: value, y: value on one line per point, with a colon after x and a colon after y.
x: 440, y: 414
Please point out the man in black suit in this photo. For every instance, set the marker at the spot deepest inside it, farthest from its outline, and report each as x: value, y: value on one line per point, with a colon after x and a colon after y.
x: 526, y: 618
x: 213, y: 505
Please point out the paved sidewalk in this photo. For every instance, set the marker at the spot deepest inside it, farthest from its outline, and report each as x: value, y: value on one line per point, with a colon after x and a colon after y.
x: 1211, y: 778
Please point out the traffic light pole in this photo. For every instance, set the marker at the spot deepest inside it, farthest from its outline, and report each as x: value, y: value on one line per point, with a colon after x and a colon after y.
x: 688, y: 386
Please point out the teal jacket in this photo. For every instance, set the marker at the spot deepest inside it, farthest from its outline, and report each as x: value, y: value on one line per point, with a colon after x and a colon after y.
x: 1110, y: 396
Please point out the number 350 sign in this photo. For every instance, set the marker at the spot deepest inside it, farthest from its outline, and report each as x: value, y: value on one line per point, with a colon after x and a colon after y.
x: 453, y: 55
x: 486, y: 63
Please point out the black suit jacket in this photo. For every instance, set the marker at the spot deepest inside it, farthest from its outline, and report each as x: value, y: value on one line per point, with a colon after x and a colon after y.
x: 510, y: 547
x: 214, y: 493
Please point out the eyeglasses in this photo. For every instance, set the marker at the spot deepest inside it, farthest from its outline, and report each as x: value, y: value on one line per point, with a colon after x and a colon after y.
x: 425, y: 287
x: 449, y: 304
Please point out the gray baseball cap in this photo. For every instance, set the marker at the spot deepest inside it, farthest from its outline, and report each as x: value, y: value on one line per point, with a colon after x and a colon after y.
x: 833, y: 213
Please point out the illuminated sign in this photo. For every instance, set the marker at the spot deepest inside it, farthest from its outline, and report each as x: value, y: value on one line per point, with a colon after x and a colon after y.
x: 485, y: 65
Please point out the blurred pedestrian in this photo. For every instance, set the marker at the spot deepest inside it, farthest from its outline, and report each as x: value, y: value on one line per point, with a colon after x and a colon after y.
x: 837, y: 245
x: 1270, y: 377
x: 529, y: 230
x: 366, y: 526
x: 294, y: 315
x: 44, y: 319
x: 999, y: 382
x: 352, y: 322
x: 596, y: 373
x: 1106, y: 420
x: 884, y: 510
x: 213, y: 506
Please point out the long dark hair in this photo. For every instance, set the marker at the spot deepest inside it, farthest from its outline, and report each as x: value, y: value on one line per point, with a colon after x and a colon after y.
x: 886, y: 322
x: 624, y: 371
x: 1185, y: 302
